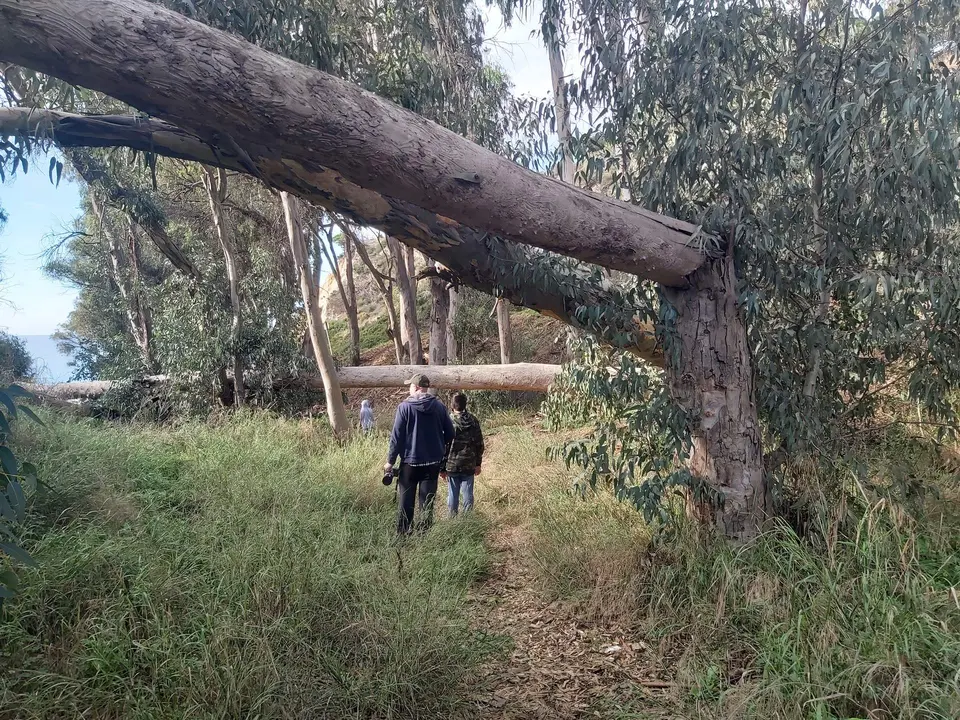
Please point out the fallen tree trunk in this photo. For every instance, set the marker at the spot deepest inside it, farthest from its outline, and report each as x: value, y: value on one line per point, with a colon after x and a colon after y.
x: 531, y: 377
x: 232, y: 93
x: 484, y: 262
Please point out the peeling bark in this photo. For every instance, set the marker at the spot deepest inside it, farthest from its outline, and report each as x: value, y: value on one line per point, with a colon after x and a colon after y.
x: 454, y: 301
x: 409, y: 326
x: 439, y: 321
x: 714, y: 383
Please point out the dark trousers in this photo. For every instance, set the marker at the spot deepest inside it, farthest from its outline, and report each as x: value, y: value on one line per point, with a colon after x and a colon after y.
x: 414, y: 481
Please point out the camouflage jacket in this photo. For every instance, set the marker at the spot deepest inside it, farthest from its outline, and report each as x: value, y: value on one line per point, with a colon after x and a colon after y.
x: 465, y: 453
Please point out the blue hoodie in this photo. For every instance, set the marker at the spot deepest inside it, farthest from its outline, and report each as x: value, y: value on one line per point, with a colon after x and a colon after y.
x: 421, y: 431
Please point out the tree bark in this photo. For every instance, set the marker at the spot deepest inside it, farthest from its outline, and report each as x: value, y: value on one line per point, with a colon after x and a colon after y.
x: 336, y: 412
x: 346, y: 288
x: 505, y: 331
x: 452, y: 355
x: 714, y: 383
x: 439, y: 321
x: 139, y: 206
x: 561, y: 108
x: 126, y: 279
x: 232, y: 93
x: 485, y: 263
x: 520, y: 377
x: 216, y: 187
x: 409, y: 327
x: 385, y: 289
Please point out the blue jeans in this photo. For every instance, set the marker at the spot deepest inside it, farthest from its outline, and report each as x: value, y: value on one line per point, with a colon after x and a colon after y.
x: 457, y: 483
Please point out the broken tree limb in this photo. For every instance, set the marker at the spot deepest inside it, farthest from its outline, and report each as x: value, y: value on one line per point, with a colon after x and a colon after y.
x: 528, y: 377
x: 232, y: 93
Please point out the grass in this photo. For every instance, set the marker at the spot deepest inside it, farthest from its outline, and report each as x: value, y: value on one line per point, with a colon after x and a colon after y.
x: 858, y: 618
x: 243, y: 570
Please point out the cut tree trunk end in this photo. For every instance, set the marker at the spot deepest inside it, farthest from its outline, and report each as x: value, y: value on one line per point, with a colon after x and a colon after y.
x: 714, y: 384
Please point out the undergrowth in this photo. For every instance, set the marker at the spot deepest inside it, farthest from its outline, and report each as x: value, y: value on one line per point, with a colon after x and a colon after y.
x: 855, y: 616
x: 239, y: 570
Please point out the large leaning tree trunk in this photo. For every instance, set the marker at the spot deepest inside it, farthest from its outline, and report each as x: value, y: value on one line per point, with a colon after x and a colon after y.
x: 215, y: 183
x: 713, y: 381
x: 409, y: 325
x: 483, y: 262
x: 325, y: 130
x: 336, y: 412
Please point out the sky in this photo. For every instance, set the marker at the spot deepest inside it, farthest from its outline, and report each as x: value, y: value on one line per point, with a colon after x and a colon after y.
x: 30, y: 302
x: 33, y: 304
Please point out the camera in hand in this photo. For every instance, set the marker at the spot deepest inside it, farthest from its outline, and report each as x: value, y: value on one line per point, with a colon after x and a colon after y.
x: 390, y: 475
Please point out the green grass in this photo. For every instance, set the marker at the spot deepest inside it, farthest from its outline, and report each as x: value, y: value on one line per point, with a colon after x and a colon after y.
x: 858, y: 618
x: 242, y: 570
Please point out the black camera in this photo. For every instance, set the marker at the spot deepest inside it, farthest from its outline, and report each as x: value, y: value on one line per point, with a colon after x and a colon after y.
x: 390, y: 475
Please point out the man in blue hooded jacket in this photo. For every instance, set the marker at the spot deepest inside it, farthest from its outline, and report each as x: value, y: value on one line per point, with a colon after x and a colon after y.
x: 422, y: 429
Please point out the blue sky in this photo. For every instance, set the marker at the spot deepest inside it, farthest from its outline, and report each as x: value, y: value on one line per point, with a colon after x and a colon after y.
x: 33, y: 304
x: 30, y: 302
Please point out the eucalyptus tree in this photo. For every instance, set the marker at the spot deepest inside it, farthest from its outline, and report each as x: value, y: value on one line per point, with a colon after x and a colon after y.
x: 720, y: 115
x: 820, y: 143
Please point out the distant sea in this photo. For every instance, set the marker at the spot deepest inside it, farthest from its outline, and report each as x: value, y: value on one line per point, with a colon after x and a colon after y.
x: 49, y: 364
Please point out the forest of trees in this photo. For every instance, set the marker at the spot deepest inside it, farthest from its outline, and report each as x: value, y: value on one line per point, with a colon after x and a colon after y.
x: 735, y: 222
x: 807, y: 153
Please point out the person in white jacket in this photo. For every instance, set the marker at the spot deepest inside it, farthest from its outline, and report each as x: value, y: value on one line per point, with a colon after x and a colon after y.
x: 366, y: 416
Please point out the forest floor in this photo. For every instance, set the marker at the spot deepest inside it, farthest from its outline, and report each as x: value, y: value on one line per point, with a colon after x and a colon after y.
x: 560, y: 665
x: 244, y: 567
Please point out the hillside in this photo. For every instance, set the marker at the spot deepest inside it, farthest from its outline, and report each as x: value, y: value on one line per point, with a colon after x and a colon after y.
x: 536, y: 338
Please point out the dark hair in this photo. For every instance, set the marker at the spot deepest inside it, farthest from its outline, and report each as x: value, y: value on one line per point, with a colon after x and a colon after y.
x: 459, y: 402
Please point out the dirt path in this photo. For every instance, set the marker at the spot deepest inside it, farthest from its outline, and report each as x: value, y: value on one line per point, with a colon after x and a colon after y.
x: 558, y: 666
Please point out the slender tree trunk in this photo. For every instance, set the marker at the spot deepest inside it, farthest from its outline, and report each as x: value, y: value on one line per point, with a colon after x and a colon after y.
x: 506, y: 333
x: 714, y: 383
x: 144, y: 314
x: 216, y: 186
x: 561, y: 108
x: 345, y: 286
x: 353, y: 312
x: 336, y: 411
x: 126, y: 280
x: 439, y: 321
x: 384, y: 287
x: 409, y: 327
x: 452, y: 355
